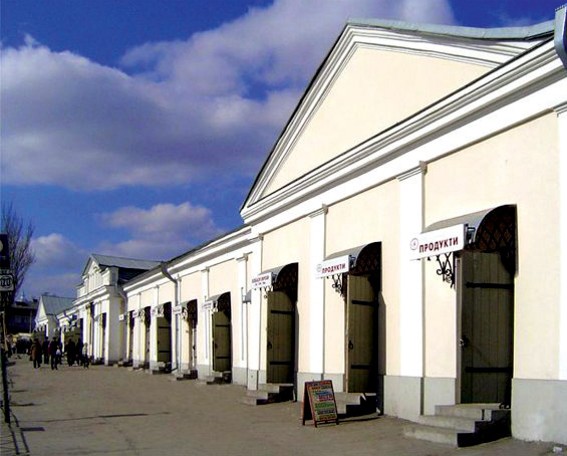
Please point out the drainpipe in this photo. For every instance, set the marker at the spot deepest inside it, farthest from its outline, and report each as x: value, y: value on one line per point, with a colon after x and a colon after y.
x: 167, y: 275
x: 127, y: 322
x: 560, y: 39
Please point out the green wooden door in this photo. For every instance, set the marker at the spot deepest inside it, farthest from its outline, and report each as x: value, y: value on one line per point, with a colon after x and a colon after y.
x: 486, y: 329
x: 148, y: 324
x: 222, y: 350
x: 280, y: 352
x: 361, y: 336
x: 163, y: 339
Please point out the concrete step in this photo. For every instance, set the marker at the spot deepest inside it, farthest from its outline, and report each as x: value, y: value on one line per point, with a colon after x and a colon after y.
x: 180, y: 376
x: 431, y: 433
x: 219, y: 378
x: 450, y: 422
x: 355, y: 404
x: 462, y: 425
x: 479, y: 412
x: 269, y: 393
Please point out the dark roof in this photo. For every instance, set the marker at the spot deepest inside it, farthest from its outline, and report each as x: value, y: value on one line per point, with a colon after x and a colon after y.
x: 106, y: 261
x: 54, y: 305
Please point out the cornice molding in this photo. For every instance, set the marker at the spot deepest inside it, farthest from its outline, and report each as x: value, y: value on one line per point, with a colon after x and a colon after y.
x: 561, y: 109
x: 420, y: 169
x: 322, y: 211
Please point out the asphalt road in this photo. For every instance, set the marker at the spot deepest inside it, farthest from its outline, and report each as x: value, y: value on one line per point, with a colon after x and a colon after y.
x: 109, y: 410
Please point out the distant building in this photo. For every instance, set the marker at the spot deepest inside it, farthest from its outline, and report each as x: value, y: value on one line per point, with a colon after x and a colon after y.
x: 21, y: 316
x: 46, y: 323
x: 100, y: 304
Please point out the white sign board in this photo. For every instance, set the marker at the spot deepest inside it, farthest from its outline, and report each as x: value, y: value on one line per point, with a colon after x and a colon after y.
x: 176, y: 310
x: 335, y: 266
x: 263, y: 280
x: 432, y: 243
x: 207, y: 305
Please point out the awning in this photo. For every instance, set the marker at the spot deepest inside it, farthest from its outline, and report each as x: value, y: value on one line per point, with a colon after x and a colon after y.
x: 495, y: 225
x: 213, y: 301
x: 341, y: 262
x: 266, y: 278
x: 272, y: 278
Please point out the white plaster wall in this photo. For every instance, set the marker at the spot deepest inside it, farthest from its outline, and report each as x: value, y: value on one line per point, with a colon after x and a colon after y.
x: 376, y: 89
x: 290, y: 244
x: 518, y: 166
x: 372, y: 216
x: 223, y: 277
x: 166, y: 292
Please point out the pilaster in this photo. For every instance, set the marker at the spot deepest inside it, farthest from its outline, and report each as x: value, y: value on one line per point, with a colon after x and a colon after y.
x: 411, y: 274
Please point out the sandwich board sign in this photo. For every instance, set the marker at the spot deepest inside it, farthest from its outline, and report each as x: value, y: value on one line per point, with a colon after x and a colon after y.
x: 319, y: 403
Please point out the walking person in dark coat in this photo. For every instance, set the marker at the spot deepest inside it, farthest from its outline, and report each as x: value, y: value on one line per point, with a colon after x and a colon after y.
x: 53, y: 347
x: 35, y: 354
x: 70, y: 350
x: 79, y: 350
x: 85, y: 355
x: 45, y: 350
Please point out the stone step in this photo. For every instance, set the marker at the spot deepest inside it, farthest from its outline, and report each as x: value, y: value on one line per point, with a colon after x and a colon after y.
x: 450, y: 422
x: 462, y: 425
x: 275, y: 387
x: 250, y: 400
x: 479, y: 412
x: 180, y: 376
x: 269, y: 393
x: 355, y: 404
x: 219, y: 378
x: 432, y: 433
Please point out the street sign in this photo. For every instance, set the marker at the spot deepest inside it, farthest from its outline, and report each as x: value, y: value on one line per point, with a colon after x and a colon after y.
x: 6, y: 282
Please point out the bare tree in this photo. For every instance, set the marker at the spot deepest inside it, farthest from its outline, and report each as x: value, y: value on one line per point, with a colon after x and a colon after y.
x: 19, y: 244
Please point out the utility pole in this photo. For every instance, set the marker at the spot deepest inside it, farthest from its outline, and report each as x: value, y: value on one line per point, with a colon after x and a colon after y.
x: 6, y: 291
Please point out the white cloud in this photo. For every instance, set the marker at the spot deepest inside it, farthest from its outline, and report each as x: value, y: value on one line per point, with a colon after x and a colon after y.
x: 54, y: 251
x: 161, y: 232
x: 177, y: 111
x: 58, y: 266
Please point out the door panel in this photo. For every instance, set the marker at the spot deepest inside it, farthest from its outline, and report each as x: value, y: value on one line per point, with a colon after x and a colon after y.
x: 163, y: 340
x: 222, y: 350
x: 281, y: 338
x: 361, y: 342
x: 486, y: 329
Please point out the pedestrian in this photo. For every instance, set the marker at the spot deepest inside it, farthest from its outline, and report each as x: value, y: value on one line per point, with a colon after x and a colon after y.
x: 53, y: 348
x: 45, y: 350
x: 35, y: 354
x: 85, y: 356
x: 79, y: 352
x: 70, y: 351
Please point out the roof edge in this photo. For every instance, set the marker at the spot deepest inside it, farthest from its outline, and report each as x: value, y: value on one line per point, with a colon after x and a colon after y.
x: 530, y: 32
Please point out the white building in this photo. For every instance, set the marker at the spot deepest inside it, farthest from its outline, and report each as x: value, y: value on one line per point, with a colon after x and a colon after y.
x: 46, y: 322
x: 100, y: 304
x: 404, y: 237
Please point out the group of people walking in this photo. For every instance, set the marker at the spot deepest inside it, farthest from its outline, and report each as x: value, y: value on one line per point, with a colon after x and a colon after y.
x: 51, y: 353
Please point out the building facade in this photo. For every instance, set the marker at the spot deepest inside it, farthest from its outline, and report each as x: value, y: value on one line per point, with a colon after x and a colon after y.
x: 403, y: 238
x: 100, y: 303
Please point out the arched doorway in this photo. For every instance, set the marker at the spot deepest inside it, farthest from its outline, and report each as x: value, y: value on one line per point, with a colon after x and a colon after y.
x: 222, y: 334
x: 281, y: 341
x: 485, y: 287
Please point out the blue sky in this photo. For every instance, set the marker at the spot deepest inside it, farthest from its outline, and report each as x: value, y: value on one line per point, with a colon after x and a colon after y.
x: 136, y: 127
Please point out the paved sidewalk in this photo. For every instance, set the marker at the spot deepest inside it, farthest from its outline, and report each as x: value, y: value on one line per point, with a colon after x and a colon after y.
x: 108, y: 410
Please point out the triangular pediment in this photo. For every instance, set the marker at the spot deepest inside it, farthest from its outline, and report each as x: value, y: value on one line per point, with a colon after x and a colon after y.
x: 373, y: 79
